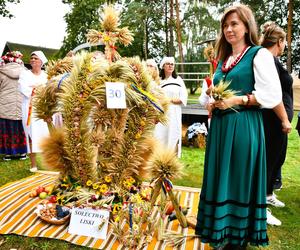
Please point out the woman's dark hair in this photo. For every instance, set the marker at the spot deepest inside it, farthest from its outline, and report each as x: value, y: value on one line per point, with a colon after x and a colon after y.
x: 163, y: 76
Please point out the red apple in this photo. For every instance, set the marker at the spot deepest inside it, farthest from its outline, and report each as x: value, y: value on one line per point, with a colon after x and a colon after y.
x: 53, y: 199
x: 40, y: 189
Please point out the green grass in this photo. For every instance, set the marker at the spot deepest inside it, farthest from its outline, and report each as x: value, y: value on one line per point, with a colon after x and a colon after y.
x: 193, y: 99
x: 284, y: 237
x: 193, y: 161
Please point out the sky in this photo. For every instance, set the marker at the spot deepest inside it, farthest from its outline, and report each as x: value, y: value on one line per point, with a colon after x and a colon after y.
x: 36, y: 22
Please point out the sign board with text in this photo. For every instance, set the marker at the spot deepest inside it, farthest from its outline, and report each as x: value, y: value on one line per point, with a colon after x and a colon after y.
x: 115, y: 95
x: 89, y: 222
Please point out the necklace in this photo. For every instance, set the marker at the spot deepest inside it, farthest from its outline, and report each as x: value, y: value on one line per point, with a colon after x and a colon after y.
x: 235, y: 62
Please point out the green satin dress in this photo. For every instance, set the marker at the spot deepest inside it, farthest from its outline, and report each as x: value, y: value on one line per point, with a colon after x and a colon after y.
x: 232, y: 206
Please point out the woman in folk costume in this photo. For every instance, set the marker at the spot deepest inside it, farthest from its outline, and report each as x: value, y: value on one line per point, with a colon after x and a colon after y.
x: 35, y: 129
x: 232, y: 209
x: 12, y: 137
x: 174, y: 89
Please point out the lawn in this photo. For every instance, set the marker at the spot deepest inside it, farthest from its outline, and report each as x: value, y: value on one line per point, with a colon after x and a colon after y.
x: 286, y: 236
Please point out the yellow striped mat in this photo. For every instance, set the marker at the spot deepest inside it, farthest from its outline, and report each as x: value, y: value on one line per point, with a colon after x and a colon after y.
x: 17, y: 217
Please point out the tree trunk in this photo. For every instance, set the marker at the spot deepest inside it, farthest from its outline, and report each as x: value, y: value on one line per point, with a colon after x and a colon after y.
x: 179, y: 40
x: 289, y: 36
x: 166, y: 28
x: 171, y: 29
x: 146, y: 39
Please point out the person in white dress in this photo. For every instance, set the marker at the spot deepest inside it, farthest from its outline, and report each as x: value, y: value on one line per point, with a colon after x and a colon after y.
x: 35, y: 129
x: 174, y: 88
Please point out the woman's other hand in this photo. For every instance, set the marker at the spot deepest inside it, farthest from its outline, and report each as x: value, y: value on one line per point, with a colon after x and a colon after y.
x: 286, y: 126
x: 210, y: 107
x: 176, y: 101
x: 209, y: 90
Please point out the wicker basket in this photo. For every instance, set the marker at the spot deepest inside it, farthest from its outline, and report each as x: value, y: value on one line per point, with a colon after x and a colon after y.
x: 55, y: 221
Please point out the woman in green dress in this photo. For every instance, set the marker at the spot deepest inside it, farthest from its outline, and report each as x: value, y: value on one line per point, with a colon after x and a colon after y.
x: 232, y: 207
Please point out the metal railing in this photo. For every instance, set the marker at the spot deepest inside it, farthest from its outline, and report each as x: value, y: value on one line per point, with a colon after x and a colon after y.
x: 184, y: 75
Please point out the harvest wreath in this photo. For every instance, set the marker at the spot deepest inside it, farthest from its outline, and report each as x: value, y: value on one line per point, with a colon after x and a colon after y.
x: 104, y: 155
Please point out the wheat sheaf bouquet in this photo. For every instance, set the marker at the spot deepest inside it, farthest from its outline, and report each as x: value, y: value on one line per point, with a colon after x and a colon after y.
x: 105, y: 155
x: 222, y: 92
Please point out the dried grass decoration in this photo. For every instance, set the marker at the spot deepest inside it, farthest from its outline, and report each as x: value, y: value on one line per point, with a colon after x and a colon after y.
x: 110, y: 34
x: 103, y: 154
x: 221, y: 92
x: 165, y: 167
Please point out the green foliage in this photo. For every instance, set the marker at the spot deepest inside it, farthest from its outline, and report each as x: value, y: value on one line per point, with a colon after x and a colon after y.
x: 145, y: 19
x: 3, y: 7
x: 199, y: 24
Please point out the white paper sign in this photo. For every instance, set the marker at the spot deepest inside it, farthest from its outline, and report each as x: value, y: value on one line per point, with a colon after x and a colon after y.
x: 115, y: 95
x: 86, y: 222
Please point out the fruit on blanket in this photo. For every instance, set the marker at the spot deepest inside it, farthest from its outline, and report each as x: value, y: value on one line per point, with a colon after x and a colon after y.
x: 49, y: 189
x: 33, y: 193
x: 43, y: 195
x: 40, y: 189
x: 53, y: 199
x: 45, y: 202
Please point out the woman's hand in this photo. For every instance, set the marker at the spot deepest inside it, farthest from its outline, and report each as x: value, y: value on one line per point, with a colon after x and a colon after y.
x: 209, y: 90
x: 286, y: 126
x: 282, y: 115
x: 210, y: 107
x: 176, y: 101
x: 226, y: 103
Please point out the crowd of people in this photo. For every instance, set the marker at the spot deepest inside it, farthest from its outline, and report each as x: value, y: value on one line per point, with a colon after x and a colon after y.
x: 247, y: 140
x: 20, y: 131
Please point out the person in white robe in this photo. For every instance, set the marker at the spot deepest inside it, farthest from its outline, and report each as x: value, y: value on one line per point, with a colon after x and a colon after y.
x: 35, y: 129
x: 170, y: 135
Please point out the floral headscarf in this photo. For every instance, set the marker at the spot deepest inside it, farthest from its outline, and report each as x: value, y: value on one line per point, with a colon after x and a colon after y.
x: 12, y: 56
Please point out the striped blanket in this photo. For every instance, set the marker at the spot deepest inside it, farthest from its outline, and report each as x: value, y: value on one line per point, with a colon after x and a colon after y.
x: 17, y: 217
